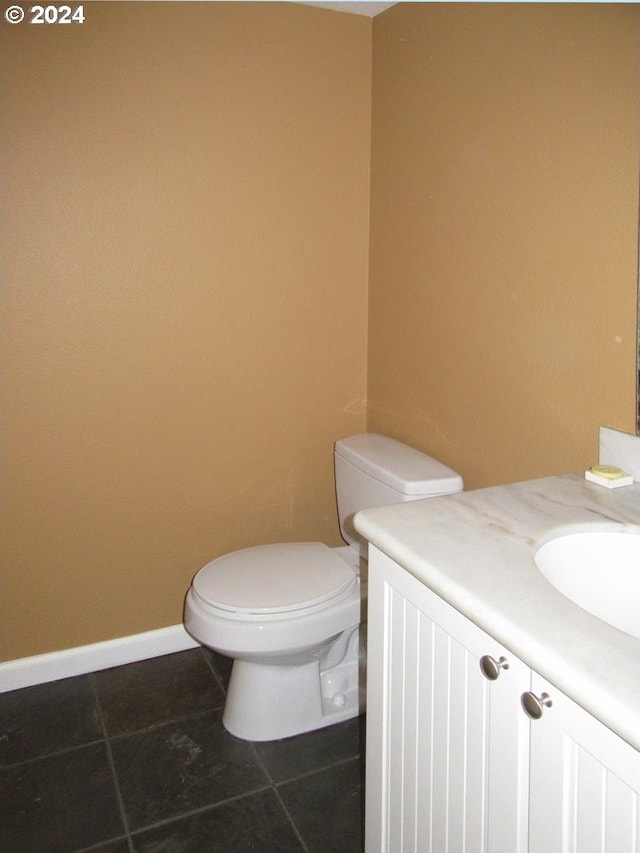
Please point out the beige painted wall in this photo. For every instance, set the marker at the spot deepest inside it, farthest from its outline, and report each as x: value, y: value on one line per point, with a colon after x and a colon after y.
x: 185, y: 251
x: 185, y: 263
x: 505, y: 158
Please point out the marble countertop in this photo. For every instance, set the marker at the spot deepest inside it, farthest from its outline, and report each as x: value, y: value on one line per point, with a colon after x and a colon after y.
x: 475, y: 549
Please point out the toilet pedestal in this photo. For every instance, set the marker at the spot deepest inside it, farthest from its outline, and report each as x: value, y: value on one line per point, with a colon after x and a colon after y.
x: 269, y: 702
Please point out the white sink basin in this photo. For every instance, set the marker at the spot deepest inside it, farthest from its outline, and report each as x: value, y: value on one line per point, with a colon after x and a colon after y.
x: 598, y: 571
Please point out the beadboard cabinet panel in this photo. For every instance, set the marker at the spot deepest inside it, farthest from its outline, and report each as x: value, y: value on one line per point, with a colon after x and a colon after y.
x: 451, y: 751
x: 584, y: 782
x: 454, y: 763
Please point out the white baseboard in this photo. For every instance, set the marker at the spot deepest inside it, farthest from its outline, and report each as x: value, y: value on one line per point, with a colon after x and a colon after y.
x: 25, y: 672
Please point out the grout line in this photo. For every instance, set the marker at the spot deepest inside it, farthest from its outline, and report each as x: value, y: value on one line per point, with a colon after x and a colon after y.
x: 260, y: 762
x: 163, y: 723
x: 107, y: 742
x: 274, y: 788
x: 209, y: 807
x: 55, y: 754
x: 291, y: 820
x: 100, y: 845
x: 277, y: 785
x: 310, y: 773
x: 218, y: 679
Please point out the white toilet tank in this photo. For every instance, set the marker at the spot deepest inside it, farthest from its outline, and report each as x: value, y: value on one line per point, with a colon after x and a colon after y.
x: 373, y: 470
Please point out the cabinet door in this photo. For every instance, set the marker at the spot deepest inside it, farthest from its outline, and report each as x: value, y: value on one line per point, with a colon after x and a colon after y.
x: 584, y: 782
x: 447, y: 749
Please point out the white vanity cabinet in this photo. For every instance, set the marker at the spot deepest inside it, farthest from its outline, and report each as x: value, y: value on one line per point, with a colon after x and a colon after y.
x: 454, y: 764
x: 584, y: 789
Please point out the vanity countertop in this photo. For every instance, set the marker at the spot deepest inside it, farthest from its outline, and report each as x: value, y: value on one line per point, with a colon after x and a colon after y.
x: 475, y: 549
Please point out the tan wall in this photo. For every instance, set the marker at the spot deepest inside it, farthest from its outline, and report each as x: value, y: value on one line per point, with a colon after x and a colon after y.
x: 504, y: 232
x: 185, y: 250
x: 185, y: 244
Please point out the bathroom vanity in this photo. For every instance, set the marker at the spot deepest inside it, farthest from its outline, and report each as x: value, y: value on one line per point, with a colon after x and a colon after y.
x: 501, y: 716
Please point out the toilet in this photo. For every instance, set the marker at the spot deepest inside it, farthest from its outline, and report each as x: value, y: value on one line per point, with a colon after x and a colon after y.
x: 292, y: 615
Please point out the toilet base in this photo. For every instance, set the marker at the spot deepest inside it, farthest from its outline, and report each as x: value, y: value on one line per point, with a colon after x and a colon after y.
x: 269, y: 702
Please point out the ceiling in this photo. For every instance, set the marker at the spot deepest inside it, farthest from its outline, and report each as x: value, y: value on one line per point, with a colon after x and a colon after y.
x: 355, y: 7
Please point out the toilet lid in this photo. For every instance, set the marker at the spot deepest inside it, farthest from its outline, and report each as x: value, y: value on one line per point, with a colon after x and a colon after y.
x: 274, y: 578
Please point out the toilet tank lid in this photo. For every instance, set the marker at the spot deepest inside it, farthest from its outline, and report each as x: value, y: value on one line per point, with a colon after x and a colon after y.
x: 399, y: 466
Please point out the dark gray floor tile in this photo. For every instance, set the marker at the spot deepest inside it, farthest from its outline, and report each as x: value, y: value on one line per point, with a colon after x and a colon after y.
x: 327, y: 808
x: 252, y: 824
x: 177, y: 768
x: 48, y: 718
x: 60, y: 803
x: 150, y: 692
x: 294, y: 756
x: 187, y: 784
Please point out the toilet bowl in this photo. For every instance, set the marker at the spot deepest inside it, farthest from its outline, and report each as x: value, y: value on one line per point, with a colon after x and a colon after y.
x: 287, y: 614
x: 292, y: 615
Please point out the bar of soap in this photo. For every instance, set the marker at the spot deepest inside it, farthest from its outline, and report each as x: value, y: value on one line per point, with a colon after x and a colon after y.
x: 608, y: 476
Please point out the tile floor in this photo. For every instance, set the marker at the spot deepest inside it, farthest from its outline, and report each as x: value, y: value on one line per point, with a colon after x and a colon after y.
x: 135, y: 759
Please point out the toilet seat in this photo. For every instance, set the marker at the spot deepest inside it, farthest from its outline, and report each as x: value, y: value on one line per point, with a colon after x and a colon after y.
x: 271, y: 581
